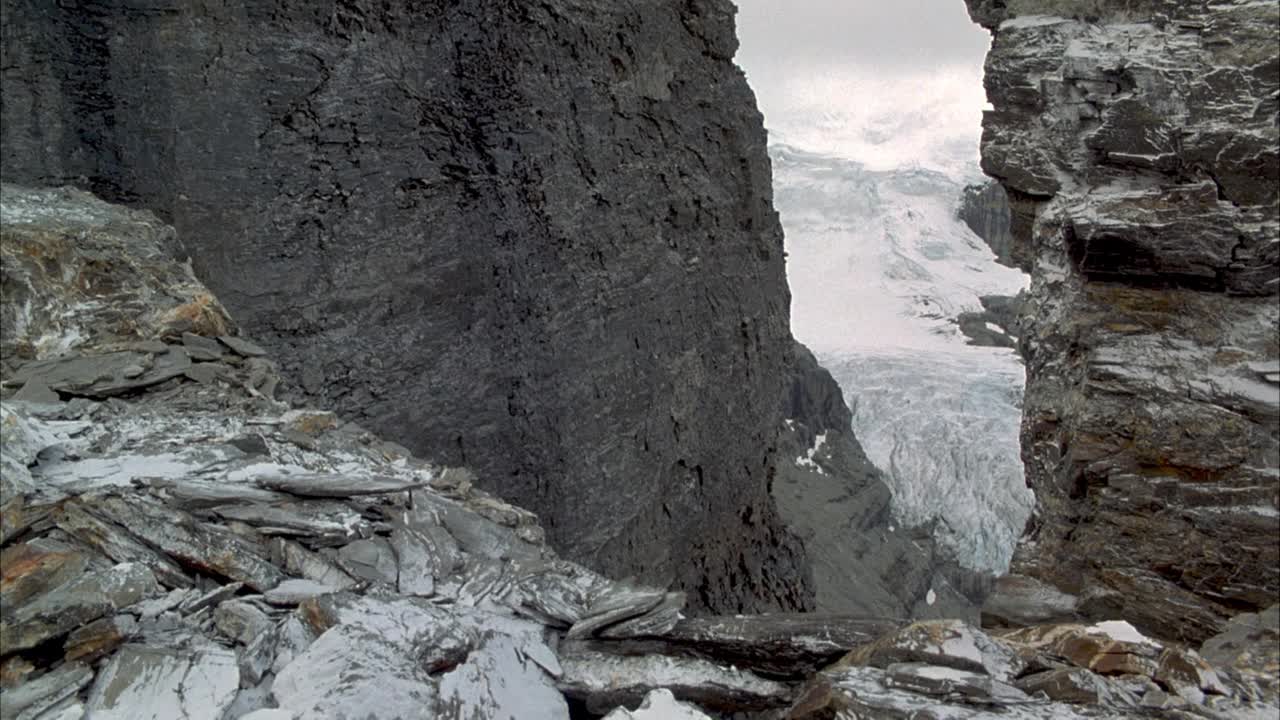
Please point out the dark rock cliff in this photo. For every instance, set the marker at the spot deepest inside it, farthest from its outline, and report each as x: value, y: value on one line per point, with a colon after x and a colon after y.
x: 985, y: 209
x: 1140, y: 149
x: 534, y: 238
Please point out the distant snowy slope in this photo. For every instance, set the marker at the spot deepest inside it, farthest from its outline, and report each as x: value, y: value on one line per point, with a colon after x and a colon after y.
x: 878, y: 259
x: 880, y: 267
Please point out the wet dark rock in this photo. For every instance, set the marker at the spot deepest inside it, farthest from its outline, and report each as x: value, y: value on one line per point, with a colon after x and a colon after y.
x: 260, y: 614
x: 996, y: 325
x: 1018, y: 600
x: 585, y: 286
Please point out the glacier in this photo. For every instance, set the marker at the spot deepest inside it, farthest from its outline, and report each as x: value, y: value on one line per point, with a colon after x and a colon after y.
x: 880, y: 267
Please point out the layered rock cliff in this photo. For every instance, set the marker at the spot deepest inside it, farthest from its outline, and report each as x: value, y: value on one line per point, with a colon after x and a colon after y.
x: 1138, y: 145
x: 985, y: 209
x: 535, y: 238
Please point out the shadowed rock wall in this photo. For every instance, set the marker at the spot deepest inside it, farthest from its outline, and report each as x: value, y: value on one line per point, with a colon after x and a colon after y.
x: 1138, y: 143
x: 536, y: 239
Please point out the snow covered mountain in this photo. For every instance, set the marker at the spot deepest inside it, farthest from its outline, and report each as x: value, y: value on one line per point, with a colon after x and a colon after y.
x: 880, y: 267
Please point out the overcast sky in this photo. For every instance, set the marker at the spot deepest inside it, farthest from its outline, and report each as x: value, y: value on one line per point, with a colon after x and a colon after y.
x: 891, y: 35
x: 887, y: 83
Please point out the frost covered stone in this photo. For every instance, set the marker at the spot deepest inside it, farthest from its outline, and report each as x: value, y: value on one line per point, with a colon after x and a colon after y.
x: 145, y: 683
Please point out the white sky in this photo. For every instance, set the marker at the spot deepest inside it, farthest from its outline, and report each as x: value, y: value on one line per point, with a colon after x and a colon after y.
x: 885, y: 83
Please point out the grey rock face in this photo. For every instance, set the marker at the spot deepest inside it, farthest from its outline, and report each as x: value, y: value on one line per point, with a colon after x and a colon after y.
x: 1140, y: 151
x: 535, y: 239
x: 985, y: 209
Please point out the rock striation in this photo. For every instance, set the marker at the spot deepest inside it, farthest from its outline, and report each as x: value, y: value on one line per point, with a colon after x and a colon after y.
x: 532, y: 238
x: 198, y: 548
x: 1139, y: 146
x: 985, y: 209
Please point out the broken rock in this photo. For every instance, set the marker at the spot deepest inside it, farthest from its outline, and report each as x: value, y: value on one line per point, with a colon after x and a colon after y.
x: 77, y: 603
x: 605, y: 681
x: 149, y: 683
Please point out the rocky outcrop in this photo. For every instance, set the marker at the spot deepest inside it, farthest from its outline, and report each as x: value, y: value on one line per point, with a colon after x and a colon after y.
x: 536, y: 239
x: 985, y: 209
x: 864, y: 561
x: 1138, y: 144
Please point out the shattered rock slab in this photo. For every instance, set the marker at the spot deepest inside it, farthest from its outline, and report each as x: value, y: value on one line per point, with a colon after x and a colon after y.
x: 77, y: 272
x: 147, y: 683
x: 74, y: 604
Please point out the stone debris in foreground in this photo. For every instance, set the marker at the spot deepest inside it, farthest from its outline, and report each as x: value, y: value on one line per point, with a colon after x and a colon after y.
x: 175, y: 551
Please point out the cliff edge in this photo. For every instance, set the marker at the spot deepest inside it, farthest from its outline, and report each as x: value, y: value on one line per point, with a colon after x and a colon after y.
x: 1138, y: 144
x: 533, y: 238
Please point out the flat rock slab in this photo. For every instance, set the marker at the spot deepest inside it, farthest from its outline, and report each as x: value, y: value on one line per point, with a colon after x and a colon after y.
x: 371, y: 559
x: 605, y: 681
x: 613, y: 605
x: 241, y: 346
x: 498, y: 681
x: 295, y: 591
x: 866, y: 692
x: 337, y: 486
x: 780, y: 643
x: 948, y: 643
x: 106, y: 375
x: 28, y: 571
x: 201, y: 348
x: 180, y: 536
x: 147, y: 683
x: 416, y: 561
